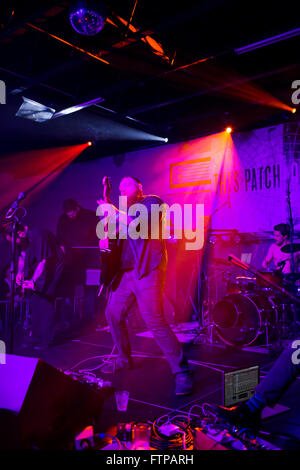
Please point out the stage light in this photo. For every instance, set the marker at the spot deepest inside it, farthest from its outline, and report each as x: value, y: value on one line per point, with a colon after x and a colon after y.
x: 77, y: 107
x: 90, y: 143
x: 294, y: 110
x: 228, y: 130
x: 35, y: 111
x: 87, y: 17
x: 159, y: 138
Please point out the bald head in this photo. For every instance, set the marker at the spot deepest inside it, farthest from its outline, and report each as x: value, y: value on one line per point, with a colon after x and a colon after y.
x: 132, y: 188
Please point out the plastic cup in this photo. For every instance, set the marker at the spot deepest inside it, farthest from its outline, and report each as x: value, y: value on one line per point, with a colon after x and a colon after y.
x: 141, y: 436
x: 122, y: 397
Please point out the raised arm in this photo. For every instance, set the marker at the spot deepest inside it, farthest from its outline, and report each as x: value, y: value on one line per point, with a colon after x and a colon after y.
x: 268, y: 258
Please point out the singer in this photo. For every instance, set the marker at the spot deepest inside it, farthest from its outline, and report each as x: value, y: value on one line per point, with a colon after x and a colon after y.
x: 140, y: 278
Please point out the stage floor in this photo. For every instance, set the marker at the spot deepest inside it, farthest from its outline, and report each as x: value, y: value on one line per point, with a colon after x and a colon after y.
x: 151, y: 384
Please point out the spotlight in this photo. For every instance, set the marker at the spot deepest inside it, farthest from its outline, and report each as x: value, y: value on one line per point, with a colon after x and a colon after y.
x: 228, y: 130
x: 87, y: 17
x: 166, y: 139
x: 77, y: 107
x: 294, y: 110
x: 35, y: 111
x: 90, y: 143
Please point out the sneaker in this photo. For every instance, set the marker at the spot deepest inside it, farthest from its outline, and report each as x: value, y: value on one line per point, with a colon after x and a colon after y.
x: 239, y: 415
x: 183, y: 383
x: 116, y: 365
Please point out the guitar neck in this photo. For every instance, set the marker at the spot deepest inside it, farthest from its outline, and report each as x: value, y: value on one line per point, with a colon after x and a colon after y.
x: 107, y: 187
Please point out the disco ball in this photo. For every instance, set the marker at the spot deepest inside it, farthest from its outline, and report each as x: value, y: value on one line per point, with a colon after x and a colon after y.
x: 87, y: 18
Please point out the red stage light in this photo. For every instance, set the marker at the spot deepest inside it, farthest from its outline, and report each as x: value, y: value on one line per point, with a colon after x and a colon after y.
x: 228, y: 130
x: 294, y: 110
x: 90, y: 143
x: 32, y: 170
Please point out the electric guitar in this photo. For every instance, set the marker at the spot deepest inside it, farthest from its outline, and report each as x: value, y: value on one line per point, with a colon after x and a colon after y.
x: 109, y: 248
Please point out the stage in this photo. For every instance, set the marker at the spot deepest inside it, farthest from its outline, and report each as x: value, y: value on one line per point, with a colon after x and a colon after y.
x: 151, y: 385
x: 149, y: 181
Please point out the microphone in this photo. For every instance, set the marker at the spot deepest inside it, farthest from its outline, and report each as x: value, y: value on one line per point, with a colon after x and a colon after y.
x: 14, y: 206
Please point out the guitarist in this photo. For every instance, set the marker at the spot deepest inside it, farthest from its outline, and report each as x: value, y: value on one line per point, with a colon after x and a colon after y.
x: 140, y: 278
x: 39, y: 272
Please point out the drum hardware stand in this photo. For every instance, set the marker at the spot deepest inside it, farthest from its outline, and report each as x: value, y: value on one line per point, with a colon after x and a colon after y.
x: 206, y: 328
x: 291, y: 222
x: 189, y: 295
x: 200, y: 311
x: 12, y: 215
x: 206, y: 301
x: 200, y: 286
x: 206, y: 331
x: 267, y: 327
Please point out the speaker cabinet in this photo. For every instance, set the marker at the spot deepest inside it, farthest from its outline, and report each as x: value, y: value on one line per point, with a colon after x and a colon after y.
x: 41, y: 407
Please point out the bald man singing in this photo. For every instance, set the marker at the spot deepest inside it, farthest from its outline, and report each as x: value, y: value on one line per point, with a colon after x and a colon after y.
x: 140, y: 278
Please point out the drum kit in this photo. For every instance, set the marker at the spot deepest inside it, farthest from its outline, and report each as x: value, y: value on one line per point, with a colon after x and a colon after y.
x: 259, y: 308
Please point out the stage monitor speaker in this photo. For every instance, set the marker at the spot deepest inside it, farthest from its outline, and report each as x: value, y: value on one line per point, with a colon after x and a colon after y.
x: 41, y: 407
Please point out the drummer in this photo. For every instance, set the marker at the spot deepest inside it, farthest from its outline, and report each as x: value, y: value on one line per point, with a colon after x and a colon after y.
x: 281, y: 260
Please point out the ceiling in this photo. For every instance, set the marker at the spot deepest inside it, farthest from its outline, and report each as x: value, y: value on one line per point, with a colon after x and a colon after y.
x: 163, y: 68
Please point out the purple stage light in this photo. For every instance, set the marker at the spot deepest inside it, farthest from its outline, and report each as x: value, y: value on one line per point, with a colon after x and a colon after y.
x: 268, y: 41
x: 77, y: 107
x: 87, y: 18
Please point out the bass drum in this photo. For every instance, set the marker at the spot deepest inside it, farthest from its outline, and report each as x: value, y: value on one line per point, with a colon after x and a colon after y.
x: 240, y: 319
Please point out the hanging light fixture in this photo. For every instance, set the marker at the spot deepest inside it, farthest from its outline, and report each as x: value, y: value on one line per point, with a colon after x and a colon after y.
x: 88, y: 17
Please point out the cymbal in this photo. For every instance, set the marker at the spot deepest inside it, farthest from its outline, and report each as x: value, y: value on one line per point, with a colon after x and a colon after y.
x: 245, y: 278
x: 291, y: 248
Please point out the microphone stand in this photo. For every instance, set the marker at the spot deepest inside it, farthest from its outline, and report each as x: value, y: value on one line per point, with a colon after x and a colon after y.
x: 13, y: 271
x: 291, y: 237
x: 12, y: 214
